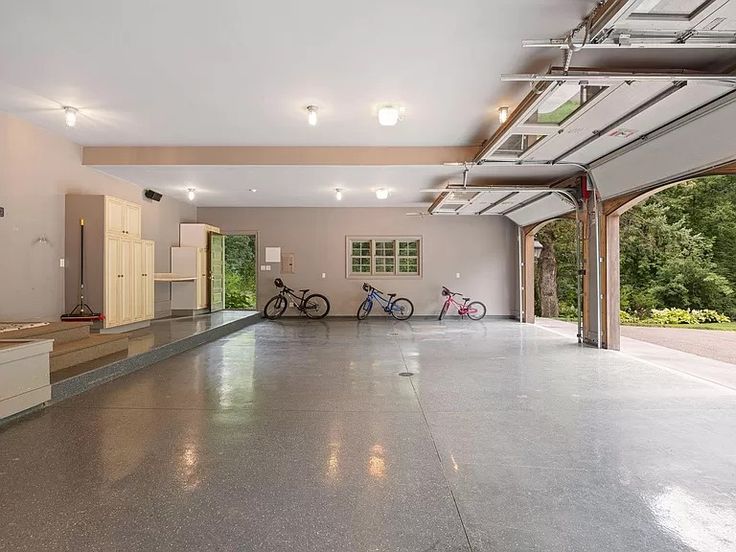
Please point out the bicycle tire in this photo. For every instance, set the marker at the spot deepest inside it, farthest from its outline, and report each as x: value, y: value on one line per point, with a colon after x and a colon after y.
x: 309, y: 309
x: 480, y: 310
x: 364, y: 309
x: 405, y: 312
x: 443, y: 312
x: 275, y: 307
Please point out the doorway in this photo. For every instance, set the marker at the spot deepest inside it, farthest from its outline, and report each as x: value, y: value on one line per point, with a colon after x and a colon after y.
x: 240, y: 271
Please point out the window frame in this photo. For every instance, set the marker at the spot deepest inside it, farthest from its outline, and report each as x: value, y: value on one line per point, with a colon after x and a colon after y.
x: 349, y: 240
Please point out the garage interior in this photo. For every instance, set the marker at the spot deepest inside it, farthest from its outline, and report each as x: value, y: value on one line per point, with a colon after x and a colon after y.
x: 409, y: 146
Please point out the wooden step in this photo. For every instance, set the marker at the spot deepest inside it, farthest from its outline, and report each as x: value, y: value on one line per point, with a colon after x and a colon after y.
x: 92, y: 347
x: 60, y: 332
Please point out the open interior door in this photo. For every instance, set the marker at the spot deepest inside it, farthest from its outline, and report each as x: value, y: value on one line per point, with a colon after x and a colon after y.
x: 217, y: 272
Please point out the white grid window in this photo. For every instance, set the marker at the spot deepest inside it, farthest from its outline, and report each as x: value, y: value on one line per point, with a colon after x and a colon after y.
x: 384, y: 256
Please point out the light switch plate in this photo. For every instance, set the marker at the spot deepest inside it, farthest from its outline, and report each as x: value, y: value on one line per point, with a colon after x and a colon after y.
x: 268, y: 268
x: 457, y: 275
x: 61, y: 263
x: 324, y: 275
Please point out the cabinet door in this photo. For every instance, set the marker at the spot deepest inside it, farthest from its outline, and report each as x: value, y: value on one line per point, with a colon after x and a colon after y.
x: 202, y: 283
x: 133, y: 220
x: 112, y: 281
x: 136, y: 280
x: 115, y: 215
x: 126, y: 282
x: 148, y: 283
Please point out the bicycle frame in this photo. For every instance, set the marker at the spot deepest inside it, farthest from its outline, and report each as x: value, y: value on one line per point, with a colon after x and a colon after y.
x: 298, y: 302
x: 386, y: 304
x: 462, y: 308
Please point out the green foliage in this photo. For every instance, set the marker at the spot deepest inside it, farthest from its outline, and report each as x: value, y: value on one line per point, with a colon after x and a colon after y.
x: 670, y: 260
x: 240, y: 272
x: 676, y: 255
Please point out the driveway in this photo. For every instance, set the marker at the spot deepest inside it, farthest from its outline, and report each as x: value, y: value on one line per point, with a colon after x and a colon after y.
x: 706, y: 343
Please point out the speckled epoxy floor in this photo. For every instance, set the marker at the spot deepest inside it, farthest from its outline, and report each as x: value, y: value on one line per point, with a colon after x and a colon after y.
x: 300, y: 435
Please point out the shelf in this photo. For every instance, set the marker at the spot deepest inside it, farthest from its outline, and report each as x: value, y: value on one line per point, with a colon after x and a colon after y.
x: 170, y: 277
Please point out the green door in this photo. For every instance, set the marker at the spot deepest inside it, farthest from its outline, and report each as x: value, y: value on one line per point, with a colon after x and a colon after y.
x: 217, y: 272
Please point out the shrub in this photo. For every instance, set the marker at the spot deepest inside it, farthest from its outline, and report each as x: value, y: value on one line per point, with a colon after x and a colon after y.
x: 685, y: 316
x: 628, y: 318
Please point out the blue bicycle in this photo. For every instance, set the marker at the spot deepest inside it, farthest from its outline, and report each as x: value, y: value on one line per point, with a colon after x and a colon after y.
x: 400, y: 308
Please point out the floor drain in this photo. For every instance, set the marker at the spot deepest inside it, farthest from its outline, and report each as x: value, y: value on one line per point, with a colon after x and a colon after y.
x: 406, y: 374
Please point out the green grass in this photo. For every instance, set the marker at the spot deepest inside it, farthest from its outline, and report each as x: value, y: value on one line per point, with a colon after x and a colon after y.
x: 716, y: 326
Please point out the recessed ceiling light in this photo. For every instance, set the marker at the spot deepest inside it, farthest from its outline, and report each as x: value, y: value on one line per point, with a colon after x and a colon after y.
x: 388, y: 115
x: 503, y: 114
x: 252, y: 190
x: 382, y: 193
x: 190, y: 193
x: 312, y: 114
x: 338, y: 194
x: 70, y: 115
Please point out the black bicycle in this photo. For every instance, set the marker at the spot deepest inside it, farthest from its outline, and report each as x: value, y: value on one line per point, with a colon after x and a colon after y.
x: 315, y: 306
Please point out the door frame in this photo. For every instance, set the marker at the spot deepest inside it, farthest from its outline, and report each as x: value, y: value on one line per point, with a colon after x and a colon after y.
x: 257, y: 234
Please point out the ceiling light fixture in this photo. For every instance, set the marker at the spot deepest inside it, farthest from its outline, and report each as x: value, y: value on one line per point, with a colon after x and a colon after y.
x: 338, y: 194
x: 252, y: 190
x: 312, y: 114
x: 382, y: 193
x: 388, y: 115
x: 503, y: 114
x: 190, y: 193
x: 70, y: 115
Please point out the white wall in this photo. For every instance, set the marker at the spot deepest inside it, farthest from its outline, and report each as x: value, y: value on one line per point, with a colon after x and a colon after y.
x: 482, y: 249
x: 37, y: 169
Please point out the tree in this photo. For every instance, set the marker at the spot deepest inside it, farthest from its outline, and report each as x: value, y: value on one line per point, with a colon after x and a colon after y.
x: 549, y: 305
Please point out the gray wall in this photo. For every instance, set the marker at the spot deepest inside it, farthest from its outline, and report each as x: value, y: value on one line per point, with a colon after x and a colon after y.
x: 482, y: 249
x: 37, y: 169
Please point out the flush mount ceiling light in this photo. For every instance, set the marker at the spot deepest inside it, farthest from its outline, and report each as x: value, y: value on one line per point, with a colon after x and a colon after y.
x: 190, y: 193
x: 389, y: 115
x: 382, y: 193
x: 70, y: 115
x: 338, y: 194
x: 253, y: 190
x: 312, y: 114
x: 503, y: 114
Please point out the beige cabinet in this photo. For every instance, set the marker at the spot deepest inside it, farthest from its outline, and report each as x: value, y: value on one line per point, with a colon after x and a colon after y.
x: 195, y: 234
x: 122, y: 217
x: 148, y: 283
x: 119, y: 265
x: 202, y: 280
x: 190, y: 262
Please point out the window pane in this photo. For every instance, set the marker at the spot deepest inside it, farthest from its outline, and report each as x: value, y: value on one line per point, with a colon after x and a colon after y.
x: 518, y: 143
x: 385, y: 248
x: 384, y: 265
x: 669, y: 7
x: 361, y: 248
x: 565, y: 100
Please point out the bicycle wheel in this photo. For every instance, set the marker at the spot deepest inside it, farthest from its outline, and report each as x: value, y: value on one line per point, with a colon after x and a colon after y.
x: 476, y: 310
x: 402, y: 309
x: 365, y: 309
x: 316, y: 306
x: 443, y: 312
x: 275, y: 307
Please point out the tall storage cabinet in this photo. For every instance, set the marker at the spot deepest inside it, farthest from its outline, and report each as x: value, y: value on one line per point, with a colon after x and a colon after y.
x: 119, y: 265
x: 191, y: 259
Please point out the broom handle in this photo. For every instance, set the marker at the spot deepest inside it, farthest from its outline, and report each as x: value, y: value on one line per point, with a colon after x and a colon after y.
x: 81, y: 261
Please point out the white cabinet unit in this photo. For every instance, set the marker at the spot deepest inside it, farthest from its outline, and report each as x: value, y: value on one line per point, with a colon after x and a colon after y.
x: 119, y: 265
x: 189, y: 262
x: 195, y: 234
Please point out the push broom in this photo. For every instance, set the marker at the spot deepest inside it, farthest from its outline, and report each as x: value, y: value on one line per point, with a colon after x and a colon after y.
x: 82, y: 312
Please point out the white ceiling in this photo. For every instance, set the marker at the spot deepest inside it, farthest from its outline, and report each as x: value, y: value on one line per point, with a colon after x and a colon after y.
x: 314, y: 186
x: 185, y: 72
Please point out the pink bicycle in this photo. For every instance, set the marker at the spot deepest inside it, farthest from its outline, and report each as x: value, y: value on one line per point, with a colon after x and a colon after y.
x: 474, y: 310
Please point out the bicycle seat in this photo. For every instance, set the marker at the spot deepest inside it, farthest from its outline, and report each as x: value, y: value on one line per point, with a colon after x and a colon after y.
x: 466, y: 299
x: 304, y: 290
x: 391, y: 294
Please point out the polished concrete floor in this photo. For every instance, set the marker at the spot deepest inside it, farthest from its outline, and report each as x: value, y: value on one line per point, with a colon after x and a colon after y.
x: 299, y: 435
